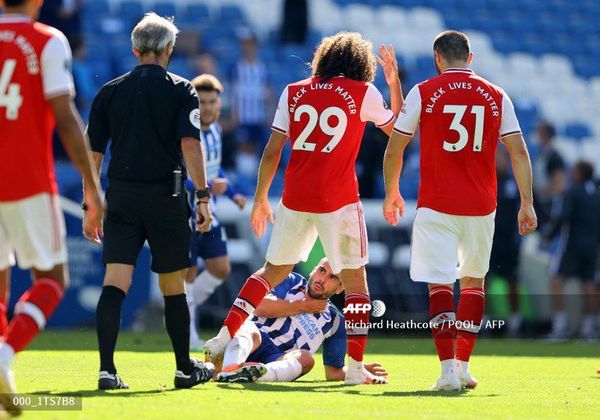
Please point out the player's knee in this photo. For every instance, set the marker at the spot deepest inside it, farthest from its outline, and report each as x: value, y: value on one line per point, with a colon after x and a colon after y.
x: 221, y: 271
x: 274, y: 274
x: 307, y: 361
x: 468, y: 282
x: 58, y: 273
x: 256, y: 339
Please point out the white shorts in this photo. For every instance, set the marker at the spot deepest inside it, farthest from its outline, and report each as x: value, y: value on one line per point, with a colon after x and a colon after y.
x: 447, y: 247
x: 34, y: 229
x: 343, y: 234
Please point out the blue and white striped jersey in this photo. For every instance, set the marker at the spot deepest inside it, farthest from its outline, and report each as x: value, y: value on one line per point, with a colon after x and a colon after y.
x: 212, y: 147
x: 306, y: 331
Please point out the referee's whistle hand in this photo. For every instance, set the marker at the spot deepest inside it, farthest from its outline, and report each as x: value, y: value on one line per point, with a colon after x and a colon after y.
x: 203, y: 217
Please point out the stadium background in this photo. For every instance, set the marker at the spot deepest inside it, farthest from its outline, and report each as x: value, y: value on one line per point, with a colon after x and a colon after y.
x: 546, y: 54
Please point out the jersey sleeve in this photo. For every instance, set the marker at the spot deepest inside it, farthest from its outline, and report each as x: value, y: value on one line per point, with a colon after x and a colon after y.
x: 509, y: 124
x: 281, y: 290
x: 374, y: 108
x: 409, y: 117
x: 281, y: 122
x: 56, y: 60
x: 188, y: 120
x: 98, y: 129
x: 334, y: 346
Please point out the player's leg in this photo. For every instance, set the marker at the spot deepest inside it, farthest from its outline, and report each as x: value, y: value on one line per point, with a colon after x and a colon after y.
x: 117, y: 281
x: 212, y: 248
x: 557, y: 283
x: 343, y: 234
x: 166, y: 225
x: 195, y: 342
x: 475, y: 244
x: 434, y: 255
x: 289, y: 367
x: 35, y: 228
x: 124, y: 236
x: 4, y: 299
x: 245, y: 346
x: 293, y: 237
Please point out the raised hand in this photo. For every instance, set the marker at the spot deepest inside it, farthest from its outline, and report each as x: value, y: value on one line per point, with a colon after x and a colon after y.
x: 388, y: 63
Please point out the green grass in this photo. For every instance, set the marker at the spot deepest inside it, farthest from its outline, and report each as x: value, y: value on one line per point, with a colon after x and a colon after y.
x: 518, y: 379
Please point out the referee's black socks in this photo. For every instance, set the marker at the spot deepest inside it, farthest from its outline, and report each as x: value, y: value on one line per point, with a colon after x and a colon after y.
x: 177, y: 321
x: 108, y: 322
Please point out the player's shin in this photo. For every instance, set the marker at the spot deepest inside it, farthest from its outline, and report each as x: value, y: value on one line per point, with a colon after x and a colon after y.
x: 442, y: 323
x: 468, y: 316
x: 252, y: 293
x: 286, y: 370
x: 31, y: 313
x: 204, y: 286
x: 177, y: 321
x: 108, y: 323
x: 356, y: 315
x: 237, y: 351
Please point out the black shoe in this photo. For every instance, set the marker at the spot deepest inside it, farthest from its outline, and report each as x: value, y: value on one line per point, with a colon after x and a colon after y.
x: 247, y: 373
x: 201, y: 373
x: 109, y: 381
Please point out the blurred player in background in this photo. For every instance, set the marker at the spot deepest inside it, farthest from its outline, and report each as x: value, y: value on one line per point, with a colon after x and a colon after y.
x: 461, y: 116
x: 579, y: 226
x: 36, y: 94
x: 325, y: 117
x: 210, y: 246
x: 288, y: 327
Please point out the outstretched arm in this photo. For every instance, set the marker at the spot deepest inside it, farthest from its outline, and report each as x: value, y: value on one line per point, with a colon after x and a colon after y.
x: 389, y: 64
x: 273, y: 307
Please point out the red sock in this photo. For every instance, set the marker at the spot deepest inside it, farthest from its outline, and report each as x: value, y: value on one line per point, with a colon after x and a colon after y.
x: 441, y: 314
x: 252, y: 293
x: 469, y: 315
x: 3, y: 317
x: 358, y: 313
x: 32, y: 311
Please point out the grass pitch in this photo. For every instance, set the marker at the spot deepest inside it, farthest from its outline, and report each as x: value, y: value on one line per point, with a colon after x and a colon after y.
x: 517, y: 379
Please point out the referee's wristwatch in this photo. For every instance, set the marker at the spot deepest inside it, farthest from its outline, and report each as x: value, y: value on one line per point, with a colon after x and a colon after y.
x: 84, y: 206
x: 203, y: 195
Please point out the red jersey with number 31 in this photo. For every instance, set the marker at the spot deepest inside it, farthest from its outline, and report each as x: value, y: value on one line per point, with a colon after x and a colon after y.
x: 35, y: 62
x: 461, y: 117
x: 325, y: 121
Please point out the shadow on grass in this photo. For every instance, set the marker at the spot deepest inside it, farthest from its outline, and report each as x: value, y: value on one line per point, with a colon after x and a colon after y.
x: 340, y: 388
x: 96, y: 393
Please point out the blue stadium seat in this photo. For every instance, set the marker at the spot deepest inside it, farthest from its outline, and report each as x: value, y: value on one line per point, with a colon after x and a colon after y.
x: 577, y: 131
x: 96, y: 8
x: 131, y: 10
x: 231, y: 14
x: 164, y: 9
x: 196, y: 12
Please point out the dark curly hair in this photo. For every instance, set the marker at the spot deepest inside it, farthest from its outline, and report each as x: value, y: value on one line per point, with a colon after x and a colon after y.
x: 346, y: 53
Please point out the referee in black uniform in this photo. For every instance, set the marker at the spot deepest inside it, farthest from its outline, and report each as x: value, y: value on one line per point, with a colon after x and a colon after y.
x: 152, y: 119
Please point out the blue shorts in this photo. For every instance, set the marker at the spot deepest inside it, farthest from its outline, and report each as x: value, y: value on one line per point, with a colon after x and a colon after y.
x: 212, y: 244
x: 267, y: 352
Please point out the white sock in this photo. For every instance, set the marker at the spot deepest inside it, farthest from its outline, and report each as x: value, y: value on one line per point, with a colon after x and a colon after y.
x: 353, y: 364
x: 238, y: 350
x: 286, y: 370
x: 559, y: 321
x: 204, y: 286
x: 7, y: 355
x: 462, y: 365
x: 192, y: 307
x: 587, y: 324
x: 447, y: 366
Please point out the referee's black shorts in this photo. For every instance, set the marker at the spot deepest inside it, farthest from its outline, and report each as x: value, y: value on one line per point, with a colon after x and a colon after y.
x: 138, y: 212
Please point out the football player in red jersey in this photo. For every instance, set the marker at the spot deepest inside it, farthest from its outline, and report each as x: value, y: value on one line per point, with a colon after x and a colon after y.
x: 461, y: 117
x: 325, y: 117
x: 36, y: 93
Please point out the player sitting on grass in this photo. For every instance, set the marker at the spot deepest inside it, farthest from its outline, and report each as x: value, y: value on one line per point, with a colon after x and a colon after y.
x: 288, y: 327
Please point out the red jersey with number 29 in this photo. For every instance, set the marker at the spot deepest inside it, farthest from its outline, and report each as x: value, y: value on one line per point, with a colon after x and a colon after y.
x: 325, y: 121
x: 35, y: 62
x: 461, y: 117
